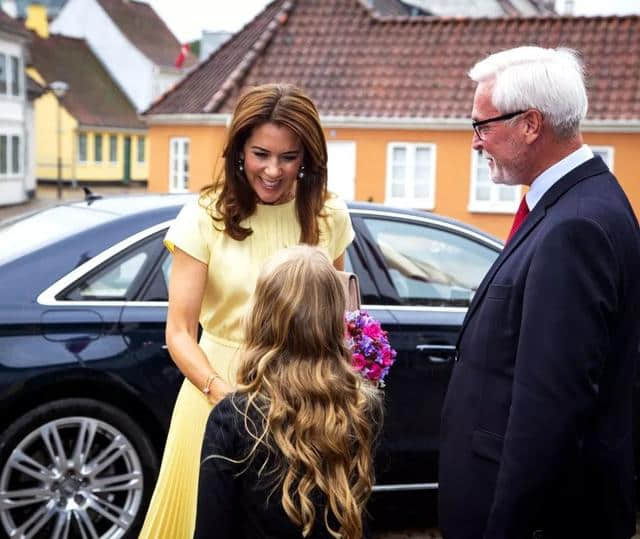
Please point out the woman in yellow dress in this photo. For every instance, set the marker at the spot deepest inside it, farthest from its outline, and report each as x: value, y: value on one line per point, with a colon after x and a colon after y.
x: 273, y: 194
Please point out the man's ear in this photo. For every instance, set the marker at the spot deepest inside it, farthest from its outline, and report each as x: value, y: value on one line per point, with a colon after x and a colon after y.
x: 532, y: 122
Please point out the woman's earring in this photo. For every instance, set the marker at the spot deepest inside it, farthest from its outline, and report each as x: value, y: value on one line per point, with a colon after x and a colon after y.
x: 301, y: 173
x: 241, y: 165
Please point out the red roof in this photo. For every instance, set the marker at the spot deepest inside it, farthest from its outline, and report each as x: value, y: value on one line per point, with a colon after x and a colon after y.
x: 93, y: 98
x: 12, y: 26
x: 142, y: 26
x: 356, y: 63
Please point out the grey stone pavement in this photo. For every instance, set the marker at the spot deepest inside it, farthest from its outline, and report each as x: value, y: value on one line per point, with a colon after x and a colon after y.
x: 46, y: 196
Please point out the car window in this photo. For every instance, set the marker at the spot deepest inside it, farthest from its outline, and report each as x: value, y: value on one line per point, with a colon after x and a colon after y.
x: 117, y: 279
x: 430, y: 266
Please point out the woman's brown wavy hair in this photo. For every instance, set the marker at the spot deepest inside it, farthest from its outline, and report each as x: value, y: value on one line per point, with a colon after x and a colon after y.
x: 318, y: 419
x: 284, y: 105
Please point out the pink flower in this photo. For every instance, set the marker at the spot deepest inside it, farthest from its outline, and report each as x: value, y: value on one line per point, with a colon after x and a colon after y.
x: 375, y: 370
x: 358, y: 361
x: 372, y: 330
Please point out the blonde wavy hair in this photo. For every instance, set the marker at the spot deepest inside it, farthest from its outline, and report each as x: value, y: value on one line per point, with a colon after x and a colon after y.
x: 317, y: 419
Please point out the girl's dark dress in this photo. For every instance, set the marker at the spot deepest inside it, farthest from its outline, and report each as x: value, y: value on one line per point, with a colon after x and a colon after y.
x: 237, y: 505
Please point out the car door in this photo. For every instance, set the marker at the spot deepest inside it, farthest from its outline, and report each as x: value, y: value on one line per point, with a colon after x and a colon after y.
x: 142, y: 324
x: 426, y: 272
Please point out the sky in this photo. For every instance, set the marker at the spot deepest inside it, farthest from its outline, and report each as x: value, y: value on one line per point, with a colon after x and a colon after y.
x: 188, y: 18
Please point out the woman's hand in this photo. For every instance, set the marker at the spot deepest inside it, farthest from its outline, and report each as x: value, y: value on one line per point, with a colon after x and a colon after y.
x: 218, y: 390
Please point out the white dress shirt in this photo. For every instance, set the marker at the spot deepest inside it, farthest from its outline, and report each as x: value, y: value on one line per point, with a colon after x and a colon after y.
x: 545, y: 181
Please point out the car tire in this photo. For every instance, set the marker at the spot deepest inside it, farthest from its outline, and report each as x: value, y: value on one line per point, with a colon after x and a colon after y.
x: 75, y: 468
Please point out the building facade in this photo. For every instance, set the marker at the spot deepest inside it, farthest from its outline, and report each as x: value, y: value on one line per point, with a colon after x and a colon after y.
x: 395, y: 101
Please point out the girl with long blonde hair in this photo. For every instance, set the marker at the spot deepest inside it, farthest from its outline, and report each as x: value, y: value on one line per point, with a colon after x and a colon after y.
x: 289, y: 454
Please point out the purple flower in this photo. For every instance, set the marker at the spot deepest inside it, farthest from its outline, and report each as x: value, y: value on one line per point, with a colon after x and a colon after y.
x: 371, y: 355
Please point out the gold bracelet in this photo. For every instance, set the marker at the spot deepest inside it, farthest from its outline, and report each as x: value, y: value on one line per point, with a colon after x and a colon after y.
x: 207, y: 385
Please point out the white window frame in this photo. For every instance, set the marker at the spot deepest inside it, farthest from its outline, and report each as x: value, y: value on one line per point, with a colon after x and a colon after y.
x: 493, y: 205
x: 112, y: 137
x: 608, y: 156
x: 410, y: 201
x: 9, y: 173
x: 86, y: 147
x: 141, y: 139
x: 178, y: 178
x: 9, y: 76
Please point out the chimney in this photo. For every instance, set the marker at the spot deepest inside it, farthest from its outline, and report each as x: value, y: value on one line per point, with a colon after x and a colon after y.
x: 37, y: 19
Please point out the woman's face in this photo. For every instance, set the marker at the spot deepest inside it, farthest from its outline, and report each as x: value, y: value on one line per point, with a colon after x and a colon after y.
x: 272, y: 158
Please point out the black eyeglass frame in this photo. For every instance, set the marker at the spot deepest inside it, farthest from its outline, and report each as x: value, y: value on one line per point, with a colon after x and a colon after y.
x: 508, y: 116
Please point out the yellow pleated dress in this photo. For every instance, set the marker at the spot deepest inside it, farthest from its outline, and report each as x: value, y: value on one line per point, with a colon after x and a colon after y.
x: 233, y: 268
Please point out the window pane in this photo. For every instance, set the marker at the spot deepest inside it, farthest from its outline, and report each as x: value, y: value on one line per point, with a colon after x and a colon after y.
x: 141, y: 149
x: 3, y: 154
x: 399, y: 156
x: 15, y: 154
x: 114, y: 281
x: 507, y: 193
x: 397, y: 190
x: 15, y: 76
x: 483, y: 192
x: 82, y: 147
x: 97, y: 150
x: 113, y: 148
x: 3, y: 74
x: 430, y: 266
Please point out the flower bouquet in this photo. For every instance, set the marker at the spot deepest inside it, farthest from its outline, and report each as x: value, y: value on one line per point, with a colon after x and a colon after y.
x: 371, y: 355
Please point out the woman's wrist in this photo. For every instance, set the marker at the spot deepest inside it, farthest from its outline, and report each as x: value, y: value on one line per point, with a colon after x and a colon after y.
x: 206, y: 387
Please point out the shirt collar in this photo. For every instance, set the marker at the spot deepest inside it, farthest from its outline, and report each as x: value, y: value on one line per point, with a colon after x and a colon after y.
x: 545, y: 181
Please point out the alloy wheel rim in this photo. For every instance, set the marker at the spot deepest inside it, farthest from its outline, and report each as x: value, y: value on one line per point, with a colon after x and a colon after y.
x: 71, y: 477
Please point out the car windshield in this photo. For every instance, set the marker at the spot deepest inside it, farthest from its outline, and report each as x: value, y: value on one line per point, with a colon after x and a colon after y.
x: 33, y: 231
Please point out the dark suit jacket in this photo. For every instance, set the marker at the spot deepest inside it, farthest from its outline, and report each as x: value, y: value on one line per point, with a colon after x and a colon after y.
x: 537, y: 421
x: 233, y: 502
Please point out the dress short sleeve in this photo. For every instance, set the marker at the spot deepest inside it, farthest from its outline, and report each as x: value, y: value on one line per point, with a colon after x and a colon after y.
x: 341, y: 233
x: 191, y: 232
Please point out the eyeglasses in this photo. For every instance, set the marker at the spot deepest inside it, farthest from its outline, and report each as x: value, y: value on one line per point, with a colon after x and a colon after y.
x: 479, y: 123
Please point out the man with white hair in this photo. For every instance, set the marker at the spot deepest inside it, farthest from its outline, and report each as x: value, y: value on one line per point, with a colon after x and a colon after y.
x: 537, y: 421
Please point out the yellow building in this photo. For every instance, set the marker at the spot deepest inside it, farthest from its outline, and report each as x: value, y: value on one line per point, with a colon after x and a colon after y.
x: 395, y: 101
x: 92, y: 133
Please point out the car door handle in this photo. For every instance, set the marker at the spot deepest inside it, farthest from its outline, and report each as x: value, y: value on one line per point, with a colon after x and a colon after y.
x: 446, y: 352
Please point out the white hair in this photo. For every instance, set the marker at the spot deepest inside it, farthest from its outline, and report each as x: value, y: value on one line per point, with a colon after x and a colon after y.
x: 549, y: 80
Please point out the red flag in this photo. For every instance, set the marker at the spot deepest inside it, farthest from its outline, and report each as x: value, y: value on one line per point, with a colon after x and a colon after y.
x: 184, y: 50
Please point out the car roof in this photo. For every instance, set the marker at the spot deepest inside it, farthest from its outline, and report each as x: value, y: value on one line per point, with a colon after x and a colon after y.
x: 123, y: 205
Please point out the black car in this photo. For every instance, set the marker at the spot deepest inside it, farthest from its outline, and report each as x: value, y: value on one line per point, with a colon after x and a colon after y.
x: 87, y: 385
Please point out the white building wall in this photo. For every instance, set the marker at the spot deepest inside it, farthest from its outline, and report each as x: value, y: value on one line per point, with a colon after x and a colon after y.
x: 14, y: 186
x: 131, y: 69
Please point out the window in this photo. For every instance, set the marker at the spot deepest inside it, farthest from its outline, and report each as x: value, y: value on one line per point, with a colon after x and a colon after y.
x: 430, y: 266
x: 3, y: 154
x: 82, y: 147
x: 411, y: 175
x: 489, y: 197
x: 113, y: 148
x: 10, y: 154
x: 121, y: 278
x: 141, y: 141
x: 606, y: 152
x: 3, y: 74
x: 15, y: 154
x: 97, y: 148
x: 15, y: 75
x: 178, y: 164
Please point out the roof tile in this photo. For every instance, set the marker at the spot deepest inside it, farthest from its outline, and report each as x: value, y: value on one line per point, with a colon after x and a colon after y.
x: 139, y: 22
x: 354, y: 62
x: 93, y: 97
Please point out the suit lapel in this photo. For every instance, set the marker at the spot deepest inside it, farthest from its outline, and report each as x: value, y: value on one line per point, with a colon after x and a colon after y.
x: 585, y: 170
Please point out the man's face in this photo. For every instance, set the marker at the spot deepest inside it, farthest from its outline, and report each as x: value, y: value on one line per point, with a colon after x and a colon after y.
x: 500, y: 143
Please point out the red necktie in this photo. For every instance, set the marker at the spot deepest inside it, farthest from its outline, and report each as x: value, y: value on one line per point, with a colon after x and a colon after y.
x: 520, y: 216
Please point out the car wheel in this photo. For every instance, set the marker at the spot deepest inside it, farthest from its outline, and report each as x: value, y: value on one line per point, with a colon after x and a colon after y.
x: 75, y: 468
